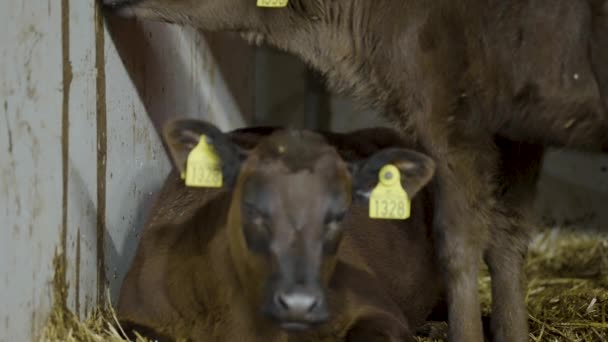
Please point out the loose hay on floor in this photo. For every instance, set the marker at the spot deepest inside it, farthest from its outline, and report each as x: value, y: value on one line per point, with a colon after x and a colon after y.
x: 567, y: 295
x: 568, y: 286
x: 101, y: 326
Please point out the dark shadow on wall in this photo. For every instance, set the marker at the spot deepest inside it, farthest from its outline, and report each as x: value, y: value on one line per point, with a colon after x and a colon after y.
x: 119, y: 258
x: 317, y: 108
x: 84, y: 264
x: 164, y: 85
x: 149, y: 71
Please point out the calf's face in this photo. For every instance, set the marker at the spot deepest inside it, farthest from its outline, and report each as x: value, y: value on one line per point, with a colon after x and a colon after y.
x: 295, y: 191
x: 290, y: 194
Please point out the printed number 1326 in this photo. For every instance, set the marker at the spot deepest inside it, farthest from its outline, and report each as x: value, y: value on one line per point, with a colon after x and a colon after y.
x: 203, y: 174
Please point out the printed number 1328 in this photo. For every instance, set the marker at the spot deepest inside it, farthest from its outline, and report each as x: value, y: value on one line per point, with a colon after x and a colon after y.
x: 389, y: 208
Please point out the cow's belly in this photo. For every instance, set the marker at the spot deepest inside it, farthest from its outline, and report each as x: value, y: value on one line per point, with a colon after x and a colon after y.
x: 560, y: 122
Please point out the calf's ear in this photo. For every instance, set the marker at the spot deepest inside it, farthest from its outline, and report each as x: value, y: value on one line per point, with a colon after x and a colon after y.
x: 416, y: 170
x: 182, y: 135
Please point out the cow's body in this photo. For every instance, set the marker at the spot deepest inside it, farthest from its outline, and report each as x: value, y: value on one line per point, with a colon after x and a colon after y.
x: 454, y: 74
x: 183, y: 280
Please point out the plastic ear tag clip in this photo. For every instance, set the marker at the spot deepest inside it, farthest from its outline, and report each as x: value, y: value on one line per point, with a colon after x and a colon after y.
x: 272, y: 3
x: 203, y: 166
x: 388, y: 200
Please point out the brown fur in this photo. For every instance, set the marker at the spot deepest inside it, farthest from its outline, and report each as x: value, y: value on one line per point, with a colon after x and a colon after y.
x: 184, y: 279
x: 454, y: 74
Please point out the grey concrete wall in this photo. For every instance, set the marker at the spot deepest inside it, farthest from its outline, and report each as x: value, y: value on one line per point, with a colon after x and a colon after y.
x: 80, y: 157
x: 574, y: 190
x: 284, y: 97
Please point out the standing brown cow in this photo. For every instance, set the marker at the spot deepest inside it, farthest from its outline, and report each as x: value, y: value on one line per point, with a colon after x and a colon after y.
x: 280, y: 248
x: 454, y: 74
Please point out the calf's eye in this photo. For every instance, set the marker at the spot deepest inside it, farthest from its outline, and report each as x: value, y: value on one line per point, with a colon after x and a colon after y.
x: 331, y: 237
x: 335, y: 217
x: 257, y: 219
x: 333, y: 228
x: 261, y: 226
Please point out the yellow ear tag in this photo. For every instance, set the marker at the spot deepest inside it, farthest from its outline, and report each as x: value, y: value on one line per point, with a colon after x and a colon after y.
x: 203, y: 167
x: 388, y: 199
x: 272, y: 3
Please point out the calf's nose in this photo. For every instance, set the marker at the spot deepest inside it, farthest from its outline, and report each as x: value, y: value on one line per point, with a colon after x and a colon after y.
x: 297, y: 303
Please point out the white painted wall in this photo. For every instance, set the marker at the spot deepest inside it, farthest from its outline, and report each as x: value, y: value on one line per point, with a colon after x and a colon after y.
x: 140, y: 72
x: 30, y: 161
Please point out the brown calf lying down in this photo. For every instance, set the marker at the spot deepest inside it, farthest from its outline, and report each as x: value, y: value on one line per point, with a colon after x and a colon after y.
x: 280, y: 253
x: 457, y: 73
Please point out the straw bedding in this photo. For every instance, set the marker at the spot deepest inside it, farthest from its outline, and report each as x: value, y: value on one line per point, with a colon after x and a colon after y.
x: 567, y: 295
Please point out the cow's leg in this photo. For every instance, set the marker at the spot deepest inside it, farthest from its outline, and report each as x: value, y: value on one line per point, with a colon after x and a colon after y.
x: 453, y: 128
x: 464, y: 199
x: 460, y: 229
x: 458, y: 233
x: 505, y: 256
x: 599, y: 50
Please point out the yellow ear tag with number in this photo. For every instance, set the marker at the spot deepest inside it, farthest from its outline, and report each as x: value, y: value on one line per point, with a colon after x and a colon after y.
x: 272, y: 3
x: 203, y: 167
x: 388, y: 199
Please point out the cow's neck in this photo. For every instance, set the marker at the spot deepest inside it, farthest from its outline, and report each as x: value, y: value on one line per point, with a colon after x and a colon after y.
x: 337, y: 38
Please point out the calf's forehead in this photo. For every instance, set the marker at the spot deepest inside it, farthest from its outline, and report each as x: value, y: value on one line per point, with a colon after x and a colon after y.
x: 278, y: 188
x: 291, y: 169
x: 300, y: 199
x: 305, y: 189
x: 301, y: 186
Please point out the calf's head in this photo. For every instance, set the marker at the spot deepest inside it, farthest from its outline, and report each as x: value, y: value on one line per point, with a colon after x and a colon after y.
x: 290, y: 194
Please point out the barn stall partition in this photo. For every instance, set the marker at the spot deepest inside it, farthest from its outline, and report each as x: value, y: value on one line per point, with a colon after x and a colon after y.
x: 81, y: 98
